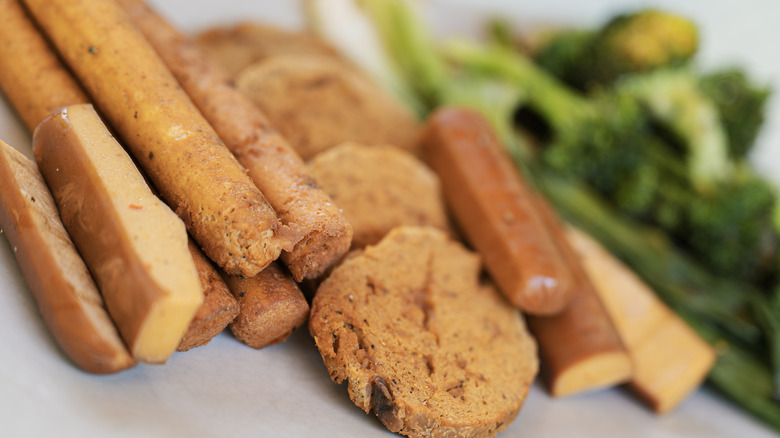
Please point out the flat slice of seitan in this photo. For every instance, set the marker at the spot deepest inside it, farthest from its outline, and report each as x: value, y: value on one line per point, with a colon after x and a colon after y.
x: 420, y: 341
x: 364, y: 180
x: 316, y: 103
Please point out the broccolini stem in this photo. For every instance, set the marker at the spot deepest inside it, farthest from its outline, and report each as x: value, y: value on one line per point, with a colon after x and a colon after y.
x: 545, y: 93
x: 740, y: 376
x: 410, y: 47
x: 678, y: 280
x: 767, y: 314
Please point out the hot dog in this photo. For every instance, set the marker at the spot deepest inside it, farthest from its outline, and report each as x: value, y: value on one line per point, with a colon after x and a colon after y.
x: 37, y: 83
x: 495, y: 210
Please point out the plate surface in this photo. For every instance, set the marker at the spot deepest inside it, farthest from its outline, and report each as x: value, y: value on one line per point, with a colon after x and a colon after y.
x: 229, y: 390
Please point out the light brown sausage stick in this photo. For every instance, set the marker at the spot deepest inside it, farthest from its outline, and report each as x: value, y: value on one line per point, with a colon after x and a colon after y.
x: 66, y: 295
x: 183, y: 156
x: 495, y: 210
x: 272, y: 306
x: 37, y: 83
x: 273, y: 165
x: 32, y: 76
x: 580, y: 347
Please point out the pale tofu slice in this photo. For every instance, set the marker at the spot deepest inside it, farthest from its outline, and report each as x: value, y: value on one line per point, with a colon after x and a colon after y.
x: 67, y: 297
x: 134, y: 245
x: 670, y: 360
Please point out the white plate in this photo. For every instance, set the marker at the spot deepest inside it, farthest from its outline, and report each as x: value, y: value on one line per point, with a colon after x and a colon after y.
x: 228, y: 390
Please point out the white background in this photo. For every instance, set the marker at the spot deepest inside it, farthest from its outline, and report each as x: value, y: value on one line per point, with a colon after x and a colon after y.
x: 228, y: 390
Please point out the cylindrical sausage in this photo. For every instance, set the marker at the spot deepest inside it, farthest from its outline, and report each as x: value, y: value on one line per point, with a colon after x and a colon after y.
x: 496, y: 212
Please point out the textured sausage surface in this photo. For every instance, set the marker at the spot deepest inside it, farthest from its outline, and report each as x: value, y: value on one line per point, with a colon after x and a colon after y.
x: 219, y: 308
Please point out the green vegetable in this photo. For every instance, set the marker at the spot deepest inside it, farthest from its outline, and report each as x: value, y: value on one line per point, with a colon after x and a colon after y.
x: 673, y: 99
x: 407, y: 42
x: 598, y: 140
x: 741, y: 376
x: 767, y: 313
x: 630, y: 43
x: 740, y: 104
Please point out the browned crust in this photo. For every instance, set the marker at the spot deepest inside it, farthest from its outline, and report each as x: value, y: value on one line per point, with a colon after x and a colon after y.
x: 183, y: 156
x: 67, y: 297
x: 272, y: 306
x: 219, y: 306
x: 419, y: 340
x: 32, y: 76
x: 270, y: 161
x: 493, y: 206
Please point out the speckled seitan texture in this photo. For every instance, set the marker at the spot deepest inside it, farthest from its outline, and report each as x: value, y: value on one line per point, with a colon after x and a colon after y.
x: 420, y: 341
x: 272, y: 306
x: 317, y: 103
x: 379, y: 188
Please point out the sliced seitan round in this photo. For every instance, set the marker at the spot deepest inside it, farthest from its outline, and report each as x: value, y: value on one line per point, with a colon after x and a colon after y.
x: 317, y: 103
x: 379, y: 188
x: 420, y: 341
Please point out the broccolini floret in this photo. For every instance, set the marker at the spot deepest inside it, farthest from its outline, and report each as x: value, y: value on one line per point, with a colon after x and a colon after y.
x: 673, y: 99
x: 741, y: 105
x: 630, y: 43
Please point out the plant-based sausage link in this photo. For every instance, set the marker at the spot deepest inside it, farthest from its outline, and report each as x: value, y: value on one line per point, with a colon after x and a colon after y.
x: 272, y: 164
x: 183, y: 156
x: 67, y: 297
x: 272, y: 306
x: 219, y: 306
x: 32, y: 76
x: 134, y: 245
x: 580, y: 347
x: 496, y: 212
